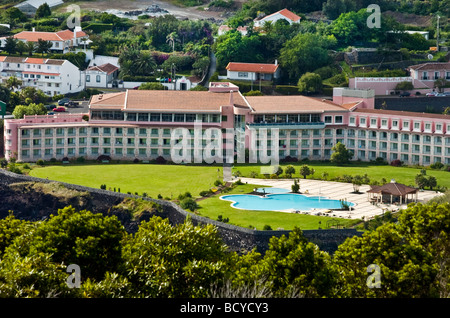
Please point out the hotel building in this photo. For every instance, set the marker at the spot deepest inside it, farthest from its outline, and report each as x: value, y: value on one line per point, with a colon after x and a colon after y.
x: 139, y: 124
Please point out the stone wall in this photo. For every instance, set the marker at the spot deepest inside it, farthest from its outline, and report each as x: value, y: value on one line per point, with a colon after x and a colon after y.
x: 237, y: 238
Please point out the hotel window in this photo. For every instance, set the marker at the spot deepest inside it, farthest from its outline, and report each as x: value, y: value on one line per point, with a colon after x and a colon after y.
x: 292, y: 118
x: 82, y: 141
x: 154, y: 152
x: 155, y: 117
x: 48, y: 152
x: 190, y: 118
x: 416, y: 138
x: 59, y: 141
x: 352, y: 120
x: 142, y: 141
x: 338, y: 119
x: 82, y: 131
x: 130, y: 141
x: 405, y: 137
x: 82, y: 151
x: 94, y: 151
x: 119, y: 131
x: 130, y: 151
x: 36, y: 152
x: 395, y: 124
x: 143, y: 117
x: 94, y: 131
x: 405, y: 125
x: 438, y: 140
x: 155, y: 132
x: 179, y: 118
x: 48, y: 142
x: 215, y: 118
x: 118, y: 151
x: 59, y: 131
x: 131, y: 116
x: 416, y: 126
x: 167, y: 117
x: 373, y: 122
x: 25, y: 142
x: 384, y: 123
x: 438, y: 127
x: 106, y: 141
x: 94, y: 140
x: 142, y: 151
x: 71, y: 141
x: 119, y: 141
x: 328, y: 119
x: 362, y: 122
x: 130, y: 131
x: 166, y: 132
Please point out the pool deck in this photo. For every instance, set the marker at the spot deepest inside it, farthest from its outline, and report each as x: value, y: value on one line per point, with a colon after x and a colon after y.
x: 337, y: 191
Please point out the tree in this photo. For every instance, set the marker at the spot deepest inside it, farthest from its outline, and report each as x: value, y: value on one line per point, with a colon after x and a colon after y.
x: 421, y: 181
x: 32, y: 109
x: 11, y: 45
x: 440, y: 83
x: 174, y: 261
x: 30, y: 47
x: 43, y: 46
x: 404, y: 86
x: 295, y: 187
x: 43, y: 11
x: 341, y: 154
x: 305, y: 170
x: 152, y: 86
x: 189, y: 204
x: 13, y: 82
x: 304, y: 53
x: 357, y: 181
x: 171, y: 39
x: 334, y: 8
x: 289, y: 171
x: 310, y: 83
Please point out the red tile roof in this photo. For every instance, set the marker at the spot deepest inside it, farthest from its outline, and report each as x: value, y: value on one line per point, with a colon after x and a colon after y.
x: 291, y: 104
x: 34, y: 36
x: 431, y: 66
x: 286, y: 13
x: 252, y: 67
x: 107, y: 68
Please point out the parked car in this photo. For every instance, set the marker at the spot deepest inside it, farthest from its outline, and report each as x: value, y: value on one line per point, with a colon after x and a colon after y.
x: 446, y: 93
x: 49, y: 107
x: 59, y: 109
x: 62, y: 101
x: 71, y: 104
x: 405, y: 94
x: 440, y: 95
x: 432, y: 94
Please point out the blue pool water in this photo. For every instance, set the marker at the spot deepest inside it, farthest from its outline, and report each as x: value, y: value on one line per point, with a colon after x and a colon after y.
x: 282, y: 201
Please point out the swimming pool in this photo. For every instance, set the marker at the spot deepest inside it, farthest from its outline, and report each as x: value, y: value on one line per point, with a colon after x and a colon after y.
x: 282, y: 201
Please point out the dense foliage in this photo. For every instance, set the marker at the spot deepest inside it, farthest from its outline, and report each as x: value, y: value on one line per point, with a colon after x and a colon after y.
x: 162, y: 260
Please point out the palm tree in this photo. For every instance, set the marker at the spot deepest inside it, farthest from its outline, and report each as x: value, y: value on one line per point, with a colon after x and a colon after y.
x: 145, y: 64
x: 13, y: 82
x: 171, y: 39
x: 30, y: 47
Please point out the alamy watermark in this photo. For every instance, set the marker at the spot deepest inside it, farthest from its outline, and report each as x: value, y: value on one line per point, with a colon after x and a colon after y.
x: 374, y: 279
x: 74, y: 279
x: 374, y: 20
x: 215, y: 145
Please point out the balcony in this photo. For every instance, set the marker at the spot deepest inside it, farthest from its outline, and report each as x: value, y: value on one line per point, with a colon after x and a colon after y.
x: 316, y: 125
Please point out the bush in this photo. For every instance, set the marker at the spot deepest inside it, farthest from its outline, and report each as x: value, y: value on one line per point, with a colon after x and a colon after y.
x: 185, y: 195
x: 295, y: 187
x: 218, y: 183
x: 40, y: 162
x: 205, y: 193
x: 267, y: 228
x: 81, y: 159
x: 189, y: 203
x: 103, y: 158
x: 396, y: 163
x: 160, y: 160
x: 437, y: 165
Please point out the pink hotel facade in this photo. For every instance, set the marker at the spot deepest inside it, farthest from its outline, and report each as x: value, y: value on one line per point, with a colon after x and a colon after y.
x: 138, y: 124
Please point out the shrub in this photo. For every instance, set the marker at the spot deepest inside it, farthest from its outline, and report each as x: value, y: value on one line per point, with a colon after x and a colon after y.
x: 253, y: 174
x: 295, y: 187
x: 160, y: 160
x: 189, y: 203
x: 184, y: 196
x: 136, y: 160
x: 267, y: 228
x: 205, y: 193
x: 103, y: 158
x: 40, y: 162
x: 3, y: 163
x: 81, y: 159
x: 437, y: 165
x: 218, y: 183
x: 273, y: 176
x: 396, y: 163
x: 53, y: 160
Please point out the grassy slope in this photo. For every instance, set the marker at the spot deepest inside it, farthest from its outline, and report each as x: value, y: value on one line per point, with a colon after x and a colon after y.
x: 166, y: 180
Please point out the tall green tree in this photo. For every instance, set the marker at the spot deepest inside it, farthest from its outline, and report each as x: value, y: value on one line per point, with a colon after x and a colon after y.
x: 43, y: 46
x: 11, y: 45
x: 341, y: 154
x: 43, y: 11
x: 310, y: 83
x: 304, y: 53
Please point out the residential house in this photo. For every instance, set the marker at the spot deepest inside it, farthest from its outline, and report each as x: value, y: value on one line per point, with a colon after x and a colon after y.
x: 62, y: 41
x: 225, y: 28
x: 101, y: 76
x: 52, y: 76
x: 284, y: 14
x: 252, y: 71
x: 30, y: 6
x: 426, y: 74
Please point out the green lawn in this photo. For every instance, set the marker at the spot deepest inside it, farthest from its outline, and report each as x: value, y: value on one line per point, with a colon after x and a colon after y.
x: 403, y: 175
x: 167, y: 180
x: 213, y: 207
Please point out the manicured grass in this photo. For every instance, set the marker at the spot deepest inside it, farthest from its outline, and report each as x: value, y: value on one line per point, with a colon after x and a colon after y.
x: 213, y: 207
x: 167, y: 180
x: 403, y: 175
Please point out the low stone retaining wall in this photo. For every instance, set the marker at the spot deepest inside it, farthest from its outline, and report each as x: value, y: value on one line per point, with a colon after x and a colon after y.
x: 237, y: 238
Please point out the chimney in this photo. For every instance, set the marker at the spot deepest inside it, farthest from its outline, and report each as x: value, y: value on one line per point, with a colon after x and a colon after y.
x: 34, y: 29
x: 231, y: 98
x: 276, y: 62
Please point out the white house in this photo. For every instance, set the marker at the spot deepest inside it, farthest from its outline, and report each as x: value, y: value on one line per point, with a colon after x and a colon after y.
x: 62, y: 41
x: 52, y: 76
x: 30, y: 6
x: 225, y: 28
x: 284, y: 14
x: 101, y: 76
x: 252, y: 71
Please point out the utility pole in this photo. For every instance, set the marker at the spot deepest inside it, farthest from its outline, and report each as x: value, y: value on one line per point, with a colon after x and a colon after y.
x: 437, y: 33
